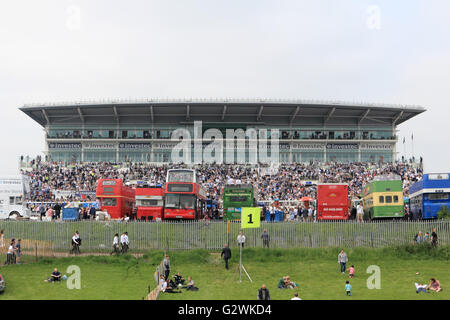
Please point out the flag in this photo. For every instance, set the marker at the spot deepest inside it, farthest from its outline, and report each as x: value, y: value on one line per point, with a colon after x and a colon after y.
x: 250, y: 217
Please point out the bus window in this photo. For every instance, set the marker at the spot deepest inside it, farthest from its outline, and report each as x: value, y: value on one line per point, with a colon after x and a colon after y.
x: 19, y: 200
x: 172, y: 201
x: 388, y: 199
x: 395, y: 199
x: 11, y: 200
x: 187, y: 201
x: 109, y: 202
x: 381, y: 199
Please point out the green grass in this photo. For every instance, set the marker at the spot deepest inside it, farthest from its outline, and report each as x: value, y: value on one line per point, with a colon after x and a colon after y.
x: 316, y: 270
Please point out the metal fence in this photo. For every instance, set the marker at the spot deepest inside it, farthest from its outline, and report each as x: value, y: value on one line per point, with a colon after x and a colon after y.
x: 97, y: 236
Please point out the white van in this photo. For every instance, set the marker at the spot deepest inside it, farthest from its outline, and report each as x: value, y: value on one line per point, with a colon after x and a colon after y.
x: 13, y: 191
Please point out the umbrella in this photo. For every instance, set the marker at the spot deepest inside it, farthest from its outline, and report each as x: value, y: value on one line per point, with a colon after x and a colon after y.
x: 306, y: 199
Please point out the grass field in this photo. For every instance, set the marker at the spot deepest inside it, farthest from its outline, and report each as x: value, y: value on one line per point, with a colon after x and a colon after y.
x: 316, y: 271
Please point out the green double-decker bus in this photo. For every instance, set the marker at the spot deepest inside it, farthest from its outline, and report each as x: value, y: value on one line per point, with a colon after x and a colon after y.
x: 383, y: 198
x: 235, y: 197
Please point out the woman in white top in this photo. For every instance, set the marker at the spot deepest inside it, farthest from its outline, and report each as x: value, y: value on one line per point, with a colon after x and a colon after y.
x: 10, y: 256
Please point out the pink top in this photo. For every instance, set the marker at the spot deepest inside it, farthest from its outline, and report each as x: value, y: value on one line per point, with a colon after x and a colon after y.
x: 351, y: 270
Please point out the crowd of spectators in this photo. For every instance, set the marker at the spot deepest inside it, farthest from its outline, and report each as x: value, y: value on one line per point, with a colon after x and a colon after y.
x: 285, y: 182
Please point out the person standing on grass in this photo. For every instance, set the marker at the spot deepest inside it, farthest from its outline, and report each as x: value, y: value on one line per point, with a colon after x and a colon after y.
x: 263, y: 293
x: 226, y: 253
x: 75, y: 243
x: 166, y: 266
x: 124, y: 242
x: 241, y: 239
x: 265, y: 239
x: 10, y: 256
x: 348, y: 288
x: 342, y: 260
x: 115, y: 244
x: 434, y: 237
x: 2, y: 239
x: 18, y: 250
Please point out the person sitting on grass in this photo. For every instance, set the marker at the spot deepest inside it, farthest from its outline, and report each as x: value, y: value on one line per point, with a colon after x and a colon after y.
x: 434, y: 285
x: 351, y: 271
x: 162, y: 283
x: 55, y: 276
x: 281, y: 283
x: 178, y: 279
x: 290, y: 284
x: 190, y: 285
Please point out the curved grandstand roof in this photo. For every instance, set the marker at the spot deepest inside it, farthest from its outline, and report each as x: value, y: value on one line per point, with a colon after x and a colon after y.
x: 245, y: 111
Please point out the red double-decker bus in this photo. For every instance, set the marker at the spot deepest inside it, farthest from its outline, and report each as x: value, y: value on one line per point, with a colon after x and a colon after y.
x: 332, y: 201
x: 150, y: 203
x: 185, y: 198
x: 115, y: 197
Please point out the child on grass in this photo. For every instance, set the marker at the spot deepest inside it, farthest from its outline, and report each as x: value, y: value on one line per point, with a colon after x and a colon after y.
x: 348, y: 288
x: 351, y: 271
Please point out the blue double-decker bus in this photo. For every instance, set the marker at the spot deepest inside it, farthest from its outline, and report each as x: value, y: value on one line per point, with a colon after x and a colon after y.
x: 427, y: 196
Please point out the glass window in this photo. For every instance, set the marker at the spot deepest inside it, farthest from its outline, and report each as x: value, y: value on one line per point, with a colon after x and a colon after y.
x: 172, y: 201
x: 11, y: 200
x: 150, y: 203
x: 395, y: 199
x: 187, y: 201
x: 109, y: 202
x: 19, y: 200
x: 388, y: 199
x: 381, y: 199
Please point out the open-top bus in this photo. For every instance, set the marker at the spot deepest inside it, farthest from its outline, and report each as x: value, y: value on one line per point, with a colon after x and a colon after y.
x: 383, y: 198
x: 150, y: 202
x: 427, y: 196
x: 115, y: 197
x: 332, y: 201
x: 185, y: 198
x: 235, y: 197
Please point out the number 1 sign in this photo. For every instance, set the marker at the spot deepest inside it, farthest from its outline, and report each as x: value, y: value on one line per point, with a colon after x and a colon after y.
x: 251, y: 217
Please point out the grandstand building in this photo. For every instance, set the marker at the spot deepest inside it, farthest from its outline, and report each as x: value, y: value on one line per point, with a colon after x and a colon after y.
x: 140, y: 131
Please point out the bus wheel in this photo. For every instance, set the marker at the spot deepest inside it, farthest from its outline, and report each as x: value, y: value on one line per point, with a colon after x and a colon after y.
x: 14, y: 215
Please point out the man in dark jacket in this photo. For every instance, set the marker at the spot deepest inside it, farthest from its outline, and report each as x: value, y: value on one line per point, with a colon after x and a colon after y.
x: 226, y: 253
x: 57, y: 209
x: 263, y: 293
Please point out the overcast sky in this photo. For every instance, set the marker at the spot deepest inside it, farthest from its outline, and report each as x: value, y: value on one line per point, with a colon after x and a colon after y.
x: 373, y: 51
